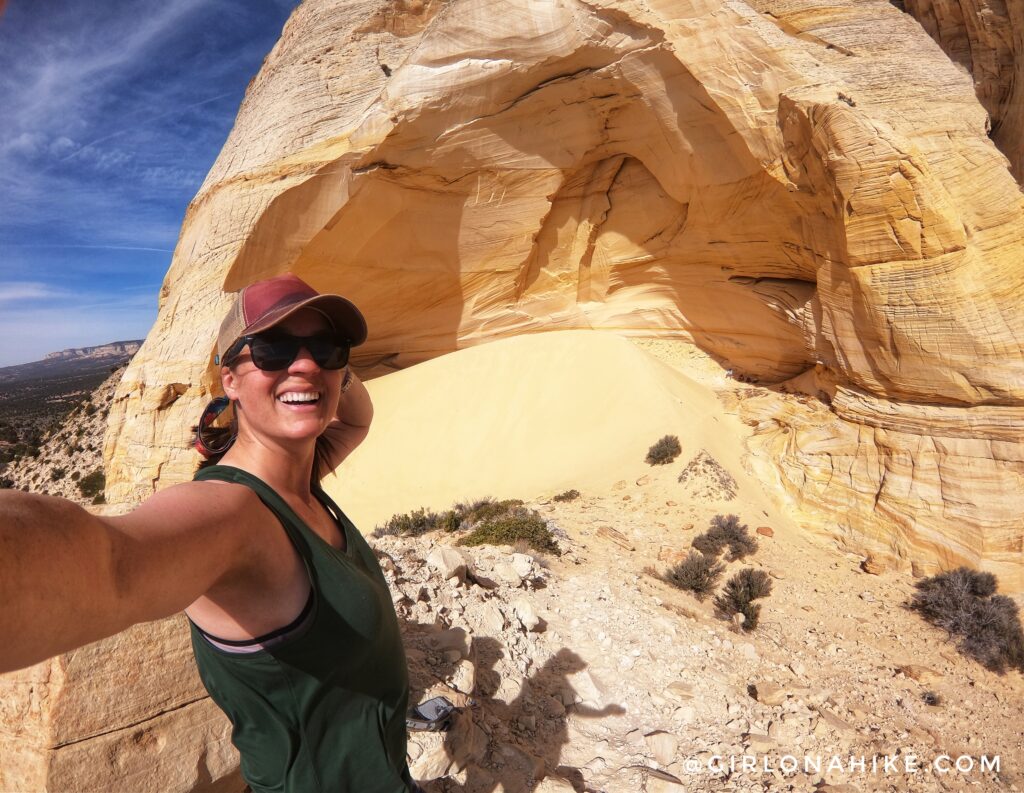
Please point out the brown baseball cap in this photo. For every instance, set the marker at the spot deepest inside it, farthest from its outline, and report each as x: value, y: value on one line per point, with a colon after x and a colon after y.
x: 261, y: 305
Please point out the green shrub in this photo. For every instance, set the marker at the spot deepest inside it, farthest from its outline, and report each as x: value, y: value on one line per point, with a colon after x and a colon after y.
x: 568, y: 495
x: 57, y: 474
x: 491, y: 522
x: 92, y: 485
x: 485, y: 508
x: 964, y: 604
x: 75, y: 476
x: 417, y: 522
x: 6, y: 483
x: 696, y: 573
x: 516, y: 524
x: 8, y: 433
x: 664, y: 451
x: 726, y: 532
x: 739, y: 593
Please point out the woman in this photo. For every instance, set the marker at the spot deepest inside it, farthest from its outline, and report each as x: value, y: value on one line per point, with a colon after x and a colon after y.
x: 293, y: 627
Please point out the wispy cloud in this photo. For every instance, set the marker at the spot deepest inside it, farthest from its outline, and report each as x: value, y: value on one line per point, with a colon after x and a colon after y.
x: 27, y: 290
x: 112, y: 119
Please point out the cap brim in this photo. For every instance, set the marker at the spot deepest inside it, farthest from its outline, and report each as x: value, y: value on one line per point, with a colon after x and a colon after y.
x: 343, y: 314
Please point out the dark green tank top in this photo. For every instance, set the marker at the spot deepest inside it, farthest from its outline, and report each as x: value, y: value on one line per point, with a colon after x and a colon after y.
x: 323, y: 711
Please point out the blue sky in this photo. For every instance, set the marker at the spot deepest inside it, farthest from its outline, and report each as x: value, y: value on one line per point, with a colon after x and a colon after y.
x: 113, y: 112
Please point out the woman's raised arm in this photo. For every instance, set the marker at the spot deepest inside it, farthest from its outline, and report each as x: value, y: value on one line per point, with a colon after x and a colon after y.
x: 68, y: 577
x: 350, y: 427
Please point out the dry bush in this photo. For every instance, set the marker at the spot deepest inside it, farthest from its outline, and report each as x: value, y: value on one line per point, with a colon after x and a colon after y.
x: 963, y: 603
x: 664, y: 451
x: 739, y: 593
x: 696, y: 573
x: 726, y: 532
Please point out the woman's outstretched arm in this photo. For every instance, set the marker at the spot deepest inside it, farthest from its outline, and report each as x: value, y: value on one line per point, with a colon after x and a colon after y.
x: 68, y: 577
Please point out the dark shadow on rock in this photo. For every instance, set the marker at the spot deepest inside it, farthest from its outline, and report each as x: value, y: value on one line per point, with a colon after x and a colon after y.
x: 515, y: 744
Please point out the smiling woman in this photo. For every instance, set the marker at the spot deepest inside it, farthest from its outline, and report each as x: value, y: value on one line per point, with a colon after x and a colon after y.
x: 293, y: 628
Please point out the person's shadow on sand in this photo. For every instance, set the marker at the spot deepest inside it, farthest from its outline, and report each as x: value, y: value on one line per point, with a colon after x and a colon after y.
x: 515, y: 744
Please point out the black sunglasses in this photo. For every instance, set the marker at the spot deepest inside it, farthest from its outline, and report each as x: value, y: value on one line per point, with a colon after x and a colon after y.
x: 273, y: 352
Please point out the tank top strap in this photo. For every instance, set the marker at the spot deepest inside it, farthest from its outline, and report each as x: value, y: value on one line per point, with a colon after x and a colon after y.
x: 292, y: 523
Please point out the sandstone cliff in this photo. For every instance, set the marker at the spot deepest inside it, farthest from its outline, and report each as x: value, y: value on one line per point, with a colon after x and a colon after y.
x: 804, y: 191
x: 986, y: 37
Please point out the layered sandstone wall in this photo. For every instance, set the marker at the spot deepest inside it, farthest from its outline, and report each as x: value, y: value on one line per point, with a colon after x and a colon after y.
x: 987, y: 38
x: 804, y: 191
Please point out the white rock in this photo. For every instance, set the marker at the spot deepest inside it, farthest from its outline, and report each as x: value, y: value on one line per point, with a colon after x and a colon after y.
x: 663, y: 745
x: 464, y: 677
x: 523, y: 564
x: 449, y: 563
x: 526, y: 614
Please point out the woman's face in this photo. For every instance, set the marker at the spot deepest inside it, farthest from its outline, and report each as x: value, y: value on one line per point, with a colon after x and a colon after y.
x: 261, y: 398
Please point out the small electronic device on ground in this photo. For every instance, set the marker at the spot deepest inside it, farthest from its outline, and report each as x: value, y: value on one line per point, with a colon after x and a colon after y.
x: 433, y: 715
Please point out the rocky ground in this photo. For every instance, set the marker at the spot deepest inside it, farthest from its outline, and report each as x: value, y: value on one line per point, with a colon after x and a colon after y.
x: 591, y: 674
x: 586, y: 672
x: 74, y: 451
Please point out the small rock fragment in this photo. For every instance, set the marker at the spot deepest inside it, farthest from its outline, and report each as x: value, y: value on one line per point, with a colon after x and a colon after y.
x: 922, y: 674
x: 526, y: 614
x: 449, y: 563
x: 663, y: 745
x: 768, y: 693
x: 615, y: 536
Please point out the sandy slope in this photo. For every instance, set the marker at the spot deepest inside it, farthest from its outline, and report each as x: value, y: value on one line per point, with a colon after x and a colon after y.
x: 527, y: 416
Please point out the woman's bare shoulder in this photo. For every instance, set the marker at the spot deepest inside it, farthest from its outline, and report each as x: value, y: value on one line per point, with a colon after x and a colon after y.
x: 194, y: 505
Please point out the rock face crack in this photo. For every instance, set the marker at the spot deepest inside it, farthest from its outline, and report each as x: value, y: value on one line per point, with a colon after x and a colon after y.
x: 131, y: 726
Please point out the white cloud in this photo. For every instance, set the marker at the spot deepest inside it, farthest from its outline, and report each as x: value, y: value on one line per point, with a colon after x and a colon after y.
x: 26, y: 144
x: 27, y: 290
x: 62, y: 75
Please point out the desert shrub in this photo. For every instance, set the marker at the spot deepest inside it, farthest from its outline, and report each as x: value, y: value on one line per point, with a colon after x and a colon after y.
x: 726, y: 532
x: 514, y: 526
x: 485, y: 509
x: 75, y: 476
x: 90, y: 408
x: 964, y: 604
x: 696, y: 573
x: 568, y: 495
x: 417, y: 522
x: 57, y: 474
x: 91, y: 485
x: 99, y: 499
x: 6, y: 483
x: 739, y: 593
x: 664, y: 451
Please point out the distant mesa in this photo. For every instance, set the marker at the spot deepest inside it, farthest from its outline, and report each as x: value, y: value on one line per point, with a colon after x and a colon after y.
x: 75, y: 361
x: 115, y: 349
